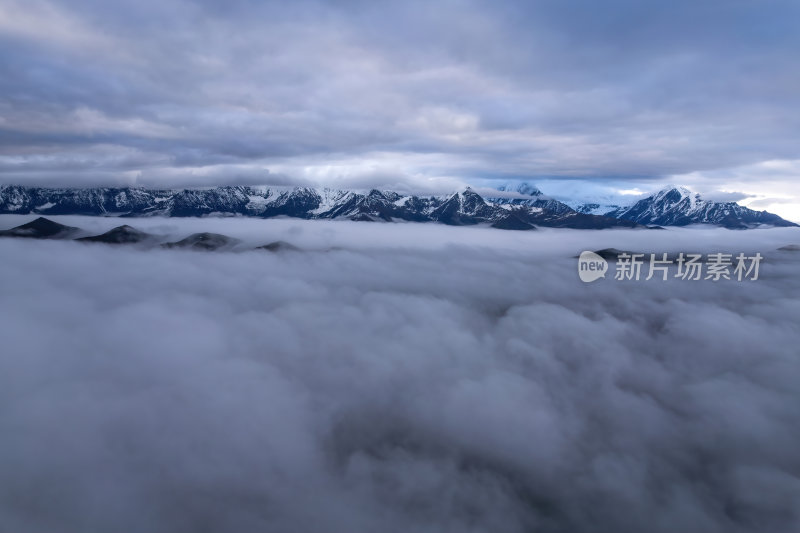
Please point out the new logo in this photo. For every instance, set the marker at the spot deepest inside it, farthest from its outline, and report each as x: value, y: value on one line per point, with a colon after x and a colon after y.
x: 591, y: 267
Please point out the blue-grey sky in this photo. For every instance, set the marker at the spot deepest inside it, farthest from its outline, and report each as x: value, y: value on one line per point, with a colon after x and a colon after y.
x: 618, y: 95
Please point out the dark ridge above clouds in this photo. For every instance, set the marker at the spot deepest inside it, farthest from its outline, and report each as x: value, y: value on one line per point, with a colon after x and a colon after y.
x: 120, y: 235
x: 41, y: 228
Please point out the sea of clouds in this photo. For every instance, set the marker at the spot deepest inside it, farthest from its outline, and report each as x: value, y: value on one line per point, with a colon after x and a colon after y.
x: 394, y: 378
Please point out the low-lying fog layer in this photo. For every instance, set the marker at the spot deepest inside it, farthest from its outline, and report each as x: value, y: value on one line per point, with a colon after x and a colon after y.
x: 394, y: 378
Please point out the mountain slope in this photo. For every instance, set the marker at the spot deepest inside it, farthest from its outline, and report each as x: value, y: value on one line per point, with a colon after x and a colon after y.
x: 119, y: 235
x: 41, y: 228
x: 678, y: 206
x: 96, y: 201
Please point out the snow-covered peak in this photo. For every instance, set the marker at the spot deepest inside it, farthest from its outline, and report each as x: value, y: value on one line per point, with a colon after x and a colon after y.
x: 676, y: 194
x: 684, y: 192
x: 680, y: 206
x: 466, y: 195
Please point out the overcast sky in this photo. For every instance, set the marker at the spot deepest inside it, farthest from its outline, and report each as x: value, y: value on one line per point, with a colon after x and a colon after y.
x: 622, y: 95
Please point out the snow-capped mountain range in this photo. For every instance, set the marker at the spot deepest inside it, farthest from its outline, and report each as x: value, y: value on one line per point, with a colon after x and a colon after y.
x: 519, y: 206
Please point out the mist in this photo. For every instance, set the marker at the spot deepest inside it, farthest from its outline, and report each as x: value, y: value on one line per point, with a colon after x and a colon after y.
x: 393, y: 378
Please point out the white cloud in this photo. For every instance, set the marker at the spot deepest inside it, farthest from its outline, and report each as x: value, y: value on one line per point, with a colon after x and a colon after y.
x: 394, y: 379
x: 42, y: 21
x: 631, y: 192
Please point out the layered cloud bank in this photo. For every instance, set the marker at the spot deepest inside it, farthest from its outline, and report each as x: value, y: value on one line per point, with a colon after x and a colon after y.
x: 385, y: 379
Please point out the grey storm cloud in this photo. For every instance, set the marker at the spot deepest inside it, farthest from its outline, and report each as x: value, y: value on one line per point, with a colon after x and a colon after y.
x: 92, y: 92
x: 387, y: 379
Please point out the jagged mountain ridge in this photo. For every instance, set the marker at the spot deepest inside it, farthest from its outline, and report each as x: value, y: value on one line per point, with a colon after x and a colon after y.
x: 523, y: 206
x: 465, y: 207
x: 678, y: 206
x: 94, y: 201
